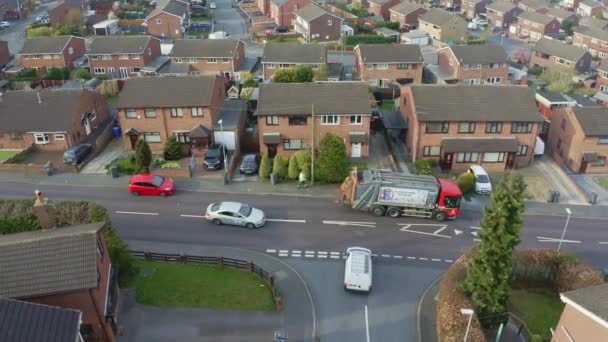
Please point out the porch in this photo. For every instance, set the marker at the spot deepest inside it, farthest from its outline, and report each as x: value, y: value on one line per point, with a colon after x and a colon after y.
x: 495, y: 154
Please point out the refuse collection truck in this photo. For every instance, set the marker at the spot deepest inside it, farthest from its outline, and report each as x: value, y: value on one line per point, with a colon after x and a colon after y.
x: 394, y: 194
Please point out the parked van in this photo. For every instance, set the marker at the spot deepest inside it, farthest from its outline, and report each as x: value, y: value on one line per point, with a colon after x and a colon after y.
x: 358, y: 269
x: 482, y: 180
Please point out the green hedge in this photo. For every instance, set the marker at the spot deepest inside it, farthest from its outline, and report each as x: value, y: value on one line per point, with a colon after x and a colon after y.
x: 424, y: 166
x: 368, y: 39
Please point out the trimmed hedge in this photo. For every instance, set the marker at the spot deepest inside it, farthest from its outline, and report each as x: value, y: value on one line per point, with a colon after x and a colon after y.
x: 424, y: 166
x: 367, y: 39
x: 466, y: 182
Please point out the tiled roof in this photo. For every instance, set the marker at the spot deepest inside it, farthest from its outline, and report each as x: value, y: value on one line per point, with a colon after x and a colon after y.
x: 328, y: 98
x: 554, y: 47
x: 474, y: 103
x: 378, y: 2
x: 536, y: 17
x: 107, y: 45
x: 438, y: 16
x: 171, y: 7
x: 157, y: 92
x: 44, y: 262
x: 405, y: 7
x: 312, y: 11
x: 42, y: 45
x: 30, y: 322
x: 479, y: 144
x: 501, y: 6
x: 479, y: 54
x: 390, y: 53
x: 535, y: 4
x: 593, y: 120
x: 592, y: 299
x: 294, y: 53
x: 593, y: 22
x: 221, y: 48
x: 559, y: 13
x: 590, y: 3
x: 592, y: 32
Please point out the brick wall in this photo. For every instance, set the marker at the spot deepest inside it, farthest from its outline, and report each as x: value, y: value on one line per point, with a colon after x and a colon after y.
x: 601, y: 83
x: 283, y: 15
x: 594, y: 46
x: 413, y: 71
x: 74, y: 49
x: 165, y: 24
x: 446, y: 59
x: 382, y: 9
x: 224, y: 66
x: 536, y: 30
x: 150, y: 53
x: 323, y: 32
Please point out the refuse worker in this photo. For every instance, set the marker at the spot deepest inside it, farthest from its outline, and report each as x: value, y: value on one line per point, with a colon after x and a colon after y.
x: 302, y: 179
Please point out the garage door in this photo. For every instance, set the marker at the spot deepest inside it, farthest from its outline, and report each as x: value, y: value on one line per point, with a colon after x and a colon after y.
x: 228, y: 139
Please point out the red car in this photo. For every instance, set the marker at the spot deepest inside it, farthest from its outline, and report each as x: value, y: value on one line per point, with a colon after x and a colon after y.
x: 145, y: 184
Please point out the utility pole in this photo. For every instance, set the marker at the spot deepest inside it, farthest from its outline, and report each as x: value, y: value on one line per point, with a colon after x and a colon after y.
x: 312, y: 146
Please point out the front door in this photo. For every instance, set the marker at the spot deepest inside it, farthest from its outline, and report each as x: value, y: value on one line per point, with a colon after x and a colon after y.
x: 446, y: 162
x: 272, y: 150
x: 355, y: 150
x: 510, y: 160
x: 87, y: 126
x: 583, y: 167
x: 111, y: 72
x: 124, y: 72
x: 133, y: 139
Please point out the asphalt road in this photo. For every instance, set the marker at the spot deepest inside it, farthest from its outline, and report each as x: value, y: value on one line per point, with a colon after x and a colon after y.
x: 229, y: 20
x: 15, y: 35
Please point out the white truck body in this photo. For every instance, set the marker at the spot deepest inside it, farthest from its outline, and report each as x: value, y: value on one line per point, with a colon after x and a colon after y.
x: 403, y: 196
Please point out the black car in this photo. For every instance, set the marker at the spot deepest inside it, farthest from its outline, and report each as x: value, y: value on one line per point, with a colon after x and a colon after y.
x: 281, y: 29
x: 197, y: 9
x: 250, y: 164
x: 214, y: 159
x: 77, y: 153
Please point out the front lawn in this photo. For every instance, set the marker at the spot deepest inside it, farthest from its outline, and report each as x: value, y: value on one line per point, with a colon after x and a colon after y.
x: 192, y: 285
x: 539, y: 308
x: 284, y: 40
x: 602, y: 181
x: 360, y: 164
x: 6, y: 154
x: 388, y: 105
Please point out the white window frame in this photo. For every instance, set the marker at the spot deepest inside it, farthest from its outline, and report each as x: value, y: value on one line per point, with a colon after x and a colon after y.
x: 369, y: 66
x: 212, y: 60
x: 197, y: 112
x: 158, y: 21
x: 272, y: 120
x: 358, y: 119
x: 177, y: 112
x: 131, y: 113
x: 602, y: 54
x: 271, y: 65
x: 134, y: 56
x: 147, y: 136
x: 329, y: 22
x: 106, y: 57
x: 225, y: 60
x: 123, y: 56
x: 58, y: 136
x: 330, y: 120
x: 99, y: 70
x: 433, y: 151
x: 500, y: 157
x: 382, y: 66
x: 178, y: 60
x: 41, y: 138
x: 148, y: 111
x: 191, y: 60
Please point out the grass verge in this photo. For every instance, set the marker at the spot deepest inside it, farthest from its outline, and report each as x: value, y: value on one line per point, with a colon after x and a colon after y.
x: 190, y: 285
x: 360, y: 164
x: 602, y: 181
x: 284, y: 40
x: 539, y: 308
x: 5, y: 154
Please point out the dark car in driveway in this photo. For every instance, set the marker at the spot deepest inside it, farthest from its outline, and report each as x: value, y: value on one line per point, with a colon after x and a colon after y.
x: 77, y: 153
x: 214, y: 159
x: 250, y: 164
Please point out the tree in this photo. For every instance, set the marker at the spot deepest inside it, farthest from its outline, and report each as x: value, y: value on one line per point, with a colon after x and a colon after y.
x: 83, y: 74
x: 143, y: 156
x: 303, y: 73
x: 359, y: 11
x: 566, y: 25
x: 466, y: 182
x: 68, y: 30
x: 265, y: 166
x: 303, y: 157
x: 600, y: 15
x: 488, y: 279
x: 42, y: 31
x: 173, y: 149
x: 284, y: 76
x: 559, y: 79
x: 280, y: 166
x: 333, y: 165
x: 322, y: 73
x: 250, y: 83
x: 294, y: 169
x: 55, y: 73
x: 73, y: 17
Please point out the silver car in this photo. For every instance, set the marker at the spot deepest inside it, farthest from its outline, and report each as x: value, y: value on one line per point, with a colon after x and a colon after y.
x: 235, y: 213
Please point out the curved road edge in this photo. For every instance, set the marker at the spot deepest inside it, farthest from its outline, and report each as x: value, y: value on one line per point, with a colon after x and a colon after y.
x: 432, y: 313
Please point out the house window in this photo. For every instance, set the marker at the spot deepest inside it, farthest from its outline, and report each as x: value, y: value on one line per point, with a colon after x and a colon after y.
x: 100, y: 249
x: 437, y: 127
x: 382, y: 66
x: 330, y: 120
x: 472, y: 66
x: 150, y: 112
x: 134, y: 70
x: 158, y: 21
x: 493, y: 80
x: 472, y: 81
x: 402, y: 66
x: 369, y: 66
x: 271, y: 65
x: 191, y: 60
x: 414, y: 66
x: 134, y: 56
x: 356, y: 119
x: 602, y: 140
x: 95, y: 57
x: 297, y: 120
x: 130, y: 113
x: 35, y: 56
x: 225, y: 60
x: 521, y: 127
x: 99, y: 70
x: 16, y: 136
x: 152, y: 137
x: 177, y: 60
x: 467, y: 157
x: 602, y: 54
x: 493, y: 157
x: 59, y: 136
x: 106, y: 57
x: 563, y: 124
x: 211, y: 60
x: 493, y: 127
x: 183, y: 137
x: 272, y: 120
x: 294, y: 144
x: 329, y: 22
x: 429, y: 151
x: 466, y: 127
x: 197, y: 111
x: 176, y: 112
x: 522, y: 150
x: 41, y: 138
x: 86, y: 330
x: 124, y: 56
x: 47, y: 56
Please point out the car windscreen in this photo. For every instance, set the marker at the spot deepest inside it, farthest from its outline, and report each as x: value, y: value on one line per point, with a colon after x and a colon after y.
x: 483, y: 179
x: 215, y: 207
x: 214, y: 153
x: 245, y: 210
x: 158, y: 180
x: 452, y: 202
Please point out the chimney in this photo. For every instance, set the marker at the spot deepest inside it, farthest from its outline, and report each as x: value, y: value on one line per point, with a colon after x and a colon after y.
x: 39, y: 99
x: 45, y: 212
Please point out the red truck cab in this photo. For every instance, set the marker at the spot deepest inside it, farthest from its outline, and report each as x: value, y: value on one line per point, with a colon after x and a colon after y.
x: 449, y: 197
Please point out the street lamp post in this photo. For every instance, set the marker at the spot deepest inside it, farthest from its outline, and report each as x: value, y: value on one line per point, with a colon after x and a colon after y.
x: 470, y: 313
x: 559, y: 246
x: 221, y: 122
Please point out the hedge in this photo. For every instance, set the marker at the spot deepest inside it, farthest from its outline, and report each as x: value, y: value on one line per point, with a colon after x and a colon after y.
x: 368, y: 39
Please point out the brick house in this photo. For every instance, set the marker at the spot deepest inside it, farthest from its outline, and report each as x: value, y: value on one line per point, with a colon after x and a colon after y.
x: 168, y: 20
x: 589, y: 8
x: 539, y: 6
x: 122, y: 56
x: 475, y: 64
x: 156, y: 108
x: 47, y: 52
x: 593, y: 23
x: 592, y: 39
x: 548, y: 53
x: 51, y: 119
x: 406, y: 13
x: 264, y: 6
x: 285, y: 123
x: 23, y: 321
x: 457, y: 125
x: 209, y: 56
x: 471, y: 8
x: 66, y: 267
x: 101, y: 7
x: 282, y: 11
x: 286, y: 55
x: 382, y: 65
x: 317, y: 24
x: 601, y: 83
x: 583, y: 318
x: 64, y: 13
x: 450, y: 3
x: 381, y: 7
x: 578, y: 138
x: 5, y: 55
x: 534, y: 25
x: 443, y: 26
x: 562, y: 15
x: 502, y: 13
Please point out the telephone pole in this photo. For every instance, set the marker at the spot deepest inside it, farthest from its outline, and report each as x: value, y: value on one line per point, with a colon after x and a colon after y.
x: 312, y: 146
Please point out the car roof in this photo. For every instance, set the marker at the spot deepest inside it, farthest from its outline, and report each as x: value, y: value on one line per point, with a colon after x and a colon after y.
x: 358, y: 250
x: 478, y: 170
x: 230, y: 206
x: 141, y: 178
x: 249, y: 157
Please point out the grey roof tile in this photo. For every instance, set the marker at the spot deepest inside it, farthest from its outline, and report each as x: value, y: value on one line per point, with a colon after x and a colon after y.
x: 501, y: 6
x: 220, y: 48
x: 593, y: 22
x: 313, y: 11
x: 474, y: 103
x: 405, y: 7
x: 43, y: 262
x: 43, y: 45
x: 535, y: 4
x: 592, y: 32
x: 593, y: 299
x: 556, y: 48
x: 536, y: 17
x: 390, y: 53
x: 30, y: 322
x: 171, y: 7
x: 164, y: 92
x: 232, y: 114
x: 328, y: 98
x: 593, y: 120
x: 559, y: 13
x: 479, y: 54
x: 294, y: 53
x: 438, y: 16
x: 590, y: 3
x: 107, y: 45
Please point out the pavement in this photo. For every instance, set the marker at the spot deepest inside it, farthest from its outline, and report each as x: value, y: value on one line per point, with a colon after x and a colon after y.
x: 98, y: 164
x: 378, y: 152
x: 587, y: 183
x: 146, y: 323
x: 400, y: 152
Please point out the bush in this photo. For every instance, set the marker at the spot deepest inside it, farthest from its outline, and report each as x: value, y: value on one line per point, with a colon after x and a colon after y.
x: 466, y: 182
x: 333, y: 165
x: 424, y: 166
x: 265, y: 166
x: 280, y: 166
x: 481, y: 40
x: 83, y: 74
x: 367, y: 39
x: 143, y: 157
x: 42, y: 31
x: 307, y: 171
x: 303, y: 157
x: 173, y: 149
x: 294, y: 169
x: 535, y: 70
x: 55, y: 73
x: 250, y: 83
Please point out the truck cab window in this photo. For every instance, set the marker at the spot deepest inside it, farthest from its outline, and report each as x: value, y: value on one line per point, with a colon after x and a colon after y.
x: 452, y: 202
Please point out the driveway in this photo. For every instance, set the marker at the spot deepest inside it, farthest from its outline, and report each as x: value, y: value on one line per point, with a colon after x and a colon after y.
x: 588, y: 183
x: 108, y: 155
x: 15, y: 35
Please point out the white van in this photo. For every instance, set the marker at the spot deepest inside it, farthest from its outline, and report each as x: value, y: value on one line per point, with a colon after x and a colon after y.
x: 358, y: 269
x: 482, y: 180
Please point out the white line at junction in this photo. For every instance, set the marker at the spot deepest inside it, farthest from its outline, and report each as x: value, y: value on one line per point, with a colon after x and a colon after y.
x: 136, y: 213
x: 286, y: 220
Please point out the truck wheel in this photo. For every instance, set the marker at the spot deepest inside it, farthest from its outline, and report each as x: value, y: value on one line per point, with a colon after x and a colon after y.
x: 440, y: 216
x: 393, y: 212
x: 378, y: 210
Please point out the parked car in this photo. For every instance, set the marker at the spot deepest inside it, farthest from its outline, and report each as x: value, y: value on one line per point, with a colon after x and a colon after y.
x: 236, y: 214
x: 197, y: 8
x: 42, y: 17
x: 199, y: 26
x: 4, y: 24
x: 250, y: 164
x: 281, y: 29
x: 212, y: 5
x: 480, y: 21
x: 358, y: 269
x: 146, y: 184
x: 214, y: 159
x: 482, y: 180
x: 77, y: 153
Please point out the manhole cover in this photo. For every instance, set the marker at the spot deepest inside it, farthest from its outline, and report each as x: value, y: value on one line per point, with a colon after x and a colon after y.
x: 147, y: 272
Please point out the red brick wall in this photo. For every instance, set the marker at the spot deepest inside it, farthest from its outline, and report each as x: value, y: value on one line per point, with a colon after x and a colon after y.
x: 446, y: 59
x: 326, y: 32
x: 64, y: 59
x: 170, y: 26
x: 580, y: 65
x: 204, y: 67
x: 411, y: 19
x: 392, y: 73
x: 151, y: 52
x: 590, y: 44
x: 5, y: 55
x: 602, y: 80
x: 283, y: 15
x: 382, y: 10
x: 551, y: 27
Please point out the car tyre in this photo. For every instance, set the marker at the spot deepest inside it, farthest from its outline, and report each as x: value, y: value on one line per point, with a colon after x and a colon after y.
x: 378, y: 210
x: 440, y: 216
x: 250, y: 225
x: 163, y: 194
x: 393, y: 212
x: 135, y: 193
x: 217, y: 222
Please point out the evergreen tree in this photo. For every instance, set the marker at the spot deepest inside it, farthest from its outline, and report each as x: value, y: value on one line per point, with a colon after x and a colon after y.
x: 280, y: 166
x: 488, y: 279
x: 303, y: 73
x: 333, y: 165
x: 265, y: 166
x: 284, y: 76
x: 294, y: 169
x: 303, y: 157
x: 143, y: 156
x: 173, y: 149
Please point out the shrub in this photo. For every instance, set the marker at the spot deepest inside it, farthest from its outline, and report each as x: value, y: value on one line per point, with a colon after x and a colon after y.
x: 367, y: 39
x: 280, y: 166
x: 265, y: 166
x: 170, y: 165
x: 173, y: 149
x: 143, y: 157
x: 250, y: 83
x: 55, y: 73
x: 303, y: 157
x: 466, y: 182
x: 294, y: 169
x: 333, y: 165
x: 424, y: 166
x: 307, y: 171
x: 83, y: 74
x: 42, y: 31
x: 535, y: 70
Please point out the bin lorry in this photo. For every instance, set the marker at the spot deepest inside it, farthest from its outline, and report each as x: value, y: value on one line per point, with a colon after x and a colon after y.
x: 383, y: 192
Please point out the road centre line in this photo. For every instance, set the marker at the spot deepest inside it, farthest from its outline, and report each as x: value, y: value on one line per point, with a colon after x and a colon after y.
x: 436, y: 259
x: 411, y: 258
x: 546, y: 239
x: 286, y: 220
x: 283, y: 251
x: 296, y: 251
x: 423, y: 258
x: 366, y: 324
x: 604, y: 243
x: 136, y: 213
x: 448, y: 260
x: 195, y: 216
x: 397, y: 257
x: 271, y: 251
x: 386, y: 256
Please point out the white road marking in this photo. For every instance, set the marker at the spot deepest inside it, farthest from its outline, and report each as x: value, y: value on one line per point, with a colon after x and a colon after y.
x: 475, y: 233
x: 411, y: 258
x: 397, y: 257
x: 324, y: 256
x: 309, y: 252
x: 334, y: 253
x: 477, y: 240
x: 309, y: 255
x: 347, y: 223
x: 448, y: 260
x: 283, y: 254
x: 386, y: 256
x: 604, y: 243
x: 195, y: 216
x: 296, y: 255
x: 295, y: 251
x: 283, y: 251
x: 366, y: 324
x: 407, y: 228
x: 473, y: 227
x: 286, y: 220
x: 457, y: 232
x: 374, y: 255
x: 335, y: 256
x: 546, y: 239
x: 136, y: 213
x: 271, y: 251
x: 440, y: 229
x: 424, y: 233
x: 436, y: 259
x: 322, y: 252
x: 423, y: 258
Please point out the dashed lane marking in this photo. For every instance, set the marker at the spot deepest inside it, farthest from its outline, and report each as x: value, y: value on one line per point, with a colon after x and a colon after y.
x: 411, y: 258
x: 356, y: 224
x: 136, y: 213
x: 271, y: 251
x: 386, y: 256
x: 338, y: 255
x: 448, y: 260
x: 423, y: 258
x: 194, y: 216
x: 397, y: 257
x: 286, y: 220
x: 436, y: 259
x: 546, y: 239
